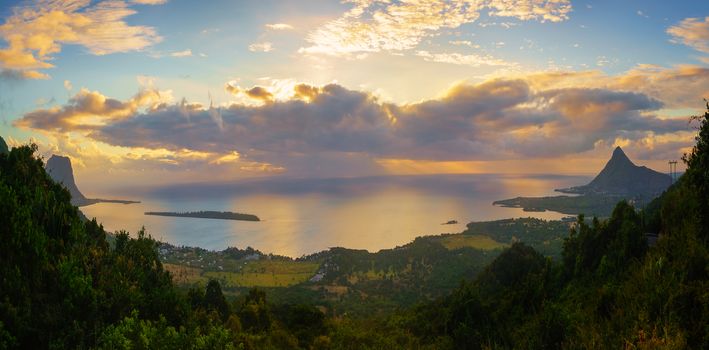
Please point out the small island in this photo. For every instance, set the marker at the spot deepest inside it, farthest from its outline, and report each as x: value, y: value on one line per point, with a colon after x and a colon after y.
x: 223, y: 215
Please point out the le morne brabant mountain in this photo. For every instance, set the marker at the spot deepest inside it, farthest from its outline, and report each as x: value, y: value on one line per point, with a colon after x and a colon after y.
x: 59, y: 168
x: 66, y: 283
x: 619, y: 180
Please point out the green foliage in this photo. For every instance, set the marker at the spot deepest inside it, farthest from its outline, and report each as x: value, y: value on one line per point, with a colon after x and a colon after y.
x: 254, y: 311
x: 606, y: 248
x: 697, y: 175
x: 547, y: 237
x: 214, y: 300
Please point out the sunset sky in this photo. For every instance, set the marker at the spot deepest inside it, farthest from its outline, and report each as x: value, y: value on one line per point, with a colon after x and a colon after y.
x: 167, y: 91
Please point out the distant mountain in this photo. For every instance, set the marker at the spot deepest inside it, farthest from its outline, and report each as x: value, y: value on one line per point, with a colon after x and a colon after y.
x: 621, y: 177
x: 60, y: 170
x: 3, y: 146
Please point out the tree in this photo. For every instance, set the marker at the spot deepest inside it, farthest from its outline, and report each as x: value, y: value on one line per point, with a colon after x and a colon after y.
x: 697, y: 175
x: 214, y: 299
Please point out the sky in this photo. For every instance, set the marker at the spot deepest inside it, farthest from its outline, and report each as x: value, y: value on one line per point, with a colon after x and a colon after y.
x: 177, y: 91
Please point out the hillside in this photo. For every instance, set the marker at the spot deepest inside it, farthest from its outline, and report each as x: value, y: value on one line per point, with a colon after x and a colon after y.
x: 623, y: 178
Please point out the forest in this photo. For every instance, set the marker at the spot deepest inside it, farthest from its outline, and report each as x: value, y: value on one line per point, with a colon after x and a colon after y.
x: 64, y: 285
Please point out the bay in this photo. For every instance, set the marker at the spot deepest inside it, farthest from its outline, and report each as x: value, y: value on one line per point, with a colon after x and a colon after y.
x: 309, y: 215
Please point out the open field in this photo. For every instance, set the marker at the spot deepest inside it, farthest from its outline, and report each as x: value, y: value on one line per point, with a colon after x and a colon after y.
x: 258, y: 273
x: 182, y: 274
x: 453, y: 242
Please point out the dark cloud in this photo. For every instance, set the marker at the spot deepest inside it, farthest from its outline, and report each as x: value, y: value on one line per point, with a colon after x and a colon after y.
x: 498, y: 119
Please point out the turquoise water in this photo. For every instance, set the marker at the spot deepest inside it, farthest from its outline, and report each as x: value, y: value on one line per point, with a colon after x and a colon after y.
x: 306, y: 216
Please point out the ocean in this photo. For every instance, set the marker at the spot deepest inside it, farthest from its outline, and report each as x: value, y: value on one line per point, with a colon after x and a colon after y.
x: 301, y: 217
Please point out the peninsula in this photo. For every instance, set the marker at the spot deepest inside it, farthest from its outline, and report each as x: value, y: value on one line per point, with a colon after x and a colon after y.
x: 223, y: 215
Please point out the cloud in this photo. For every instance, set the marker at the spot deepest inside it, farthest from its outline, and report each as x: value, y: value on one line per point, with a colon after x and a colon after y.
x: 279, y: 26
x: 472, y: 60
x: 149, y: 2
x: 545, y: 115
x: 261, y: 47
x: 68, y: 86
x: 464, y: 43
x: 257, y: 92
x: 373, y: 26
x: 540, y: 10
x: 90, y: 110
x: 693, y: 32
x: 678, y: 87
x: 34, y: 33
x: 185, y: 53
x: 18, y: 75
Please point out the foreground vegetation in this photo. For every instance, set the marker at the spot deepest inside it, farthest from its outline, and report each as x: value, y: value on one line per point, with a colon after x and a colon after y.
x: 64, y: 286
x: 343, y: 281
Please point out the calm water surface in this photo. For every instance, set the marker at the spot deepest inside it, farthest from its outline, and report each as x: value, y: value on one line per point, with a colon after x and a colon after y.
x: 307, y: 216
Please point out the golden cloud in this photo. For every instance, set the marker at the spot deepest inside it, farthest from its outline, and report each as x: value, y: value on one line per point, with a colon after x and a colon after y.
x: 693, y: 32
x: 472, y: 60
x: 89, y: 110
x: 372, y: 26
x: 677, y: 87
x: 257, y: 92
x: 34, y: 33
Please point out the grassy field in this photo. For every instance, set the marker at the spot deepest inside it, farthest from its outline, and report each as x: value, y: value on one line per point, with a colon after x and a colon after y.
x: 453, y: 242
x: 184, y: 274
x: 259, y: 273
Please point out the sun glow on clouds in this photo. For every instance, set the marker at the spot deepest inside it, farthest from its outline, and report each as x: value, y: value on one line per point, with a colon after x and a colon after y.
x: 693, y: 32
x: 372, y: 26
x: 279, y: 26
x: 36, y: 32
x: 468, y: 60
x: 296, y: 127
